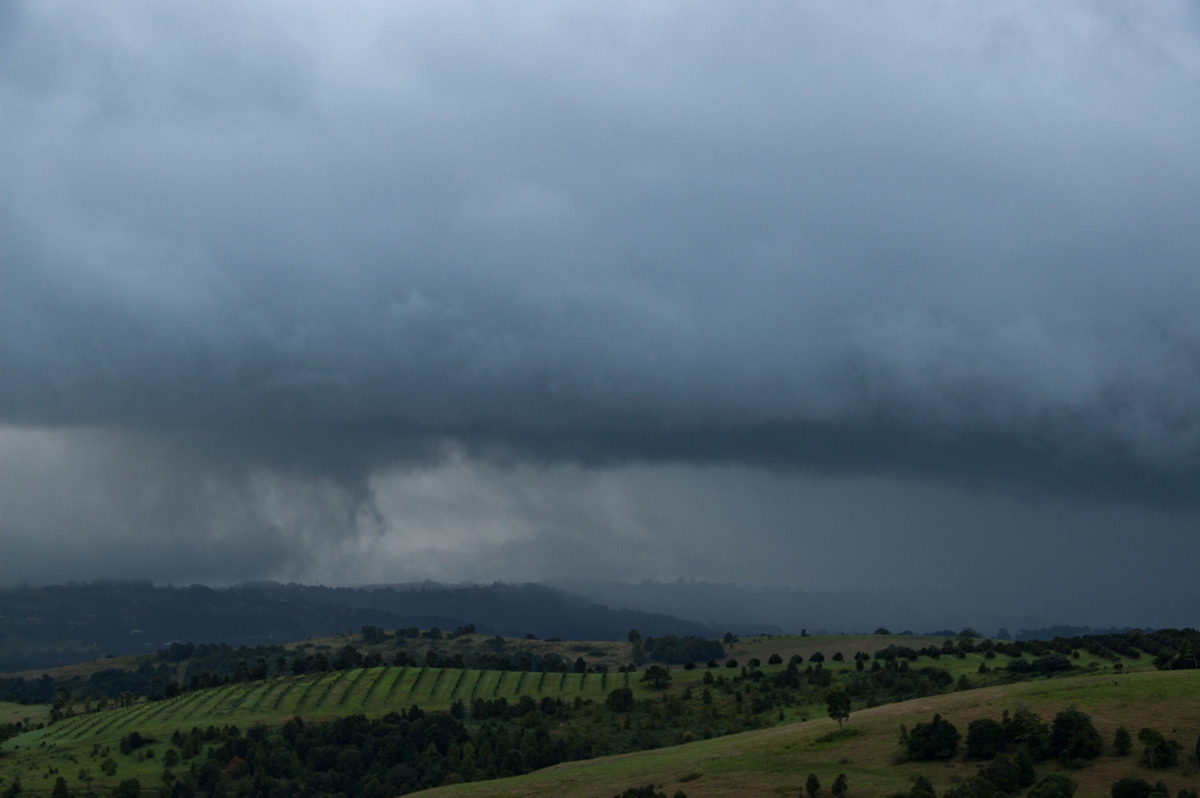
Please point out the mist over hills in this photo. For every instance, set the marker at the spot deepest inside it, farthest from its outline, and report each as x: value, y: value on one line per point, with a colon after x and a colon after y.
x: 793, y: 609
x: 54, y: 625
x: 48, y: 626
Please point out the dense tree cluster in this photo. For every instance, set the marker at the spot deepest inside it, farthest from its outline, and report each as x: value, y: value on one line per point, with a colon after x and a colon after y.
x: 678, y: 650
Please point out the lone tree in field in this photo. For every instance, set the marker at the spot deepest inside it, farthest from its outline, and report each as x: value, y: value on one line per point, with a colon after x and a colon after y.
x: 657, y: 675
x: 812, y: 785
x: 840, y: 785
x: 838, y: 704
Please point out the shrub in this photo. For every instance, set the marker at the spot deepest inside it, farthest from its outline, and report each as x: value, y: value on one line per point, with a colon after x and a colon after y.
x: 1122, y: 741
x: 1004, y: 773
x: 937, y: 739
x: 975, y: 788
x: 1074, y: 739
x: 1053, y: 785
x: 1131, y: 787
x: 1159, y: 751
x: 620, y: 700
x: 985, y: 738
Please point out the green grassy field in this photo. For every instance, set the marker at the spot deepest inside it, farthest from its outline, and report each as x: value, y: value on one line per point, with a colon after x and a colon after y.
x: 777, y: 761
x: 83, y: 742
x: 76, y: 747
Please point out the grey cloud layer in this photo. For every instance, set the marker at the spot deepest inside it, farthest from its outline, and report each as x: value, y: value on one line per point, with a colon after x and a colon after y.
x: 907, y: 238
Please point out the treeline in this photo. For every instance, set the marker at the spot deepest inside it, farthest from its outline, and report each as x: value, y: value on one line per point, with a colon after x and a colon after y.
x: 1176, y: 649
x: 1010, y: 749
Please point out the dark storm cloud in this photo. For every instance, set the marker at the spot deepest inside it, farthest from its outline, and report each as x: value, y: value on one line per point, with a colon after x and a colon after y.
x: 957, y: 244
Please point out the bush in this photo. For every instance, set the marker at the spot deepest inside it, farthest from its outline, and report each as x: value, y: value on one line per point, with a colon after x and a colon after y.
x: 1025, y: 728
x: 620, y: 700
x: 1074, y: 739
x: 975, y: 788
x: 1159, y: 751
x: 1122, y: 741
x: 937, y: 739
x: 985, y: 738
x: 1004, y: 773
x: 1131, y: 787
x: 1053, y: 785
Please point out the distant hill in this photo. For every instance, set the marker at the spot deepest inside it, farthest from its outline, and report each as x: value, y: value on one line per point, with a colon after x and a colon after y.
x: 56, y: 625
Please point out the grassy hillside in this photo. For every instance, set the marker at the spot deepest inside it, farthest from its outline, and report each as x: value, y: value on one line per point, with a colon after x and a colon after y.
x: 79, y: 747
x: 83, y: 742
x: 777, y: 761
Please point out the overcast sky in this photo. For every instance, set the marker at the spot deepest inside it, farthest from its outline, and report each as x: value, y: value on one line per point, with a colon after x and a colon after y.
x: 832, y: 295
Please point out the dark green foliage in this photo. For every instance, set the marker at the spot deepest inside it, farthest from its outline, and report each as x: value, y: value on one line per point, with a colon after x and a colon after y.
x: 1074, y: 739
x: 1026, y: 774
x: 975, y: 788
x: 838, y: 705
x: 1044, y: 665
x: 937, y: 739
x: 985, y: 738
x: 648, y: 791
x: 1005, y: 773
x: 657, y: 676
x: 1159, y: 752
x: 130, y: 788
x: 921, y: 788
x: 840, y: 786
x: 812, y: 785
x: 680, y: 649
x: 1131, y: 787
x: 1026, y: 729
x: 1053, y: 785
x: 1122, y: 741
x: 60, y: 789
x: 13, y: 789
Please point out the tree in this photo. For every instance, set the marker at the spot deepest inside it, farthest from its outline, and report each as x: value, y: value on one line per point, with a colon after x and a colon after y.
x: 937, y: 739
x: 921, y: 788
x: 1159, y: 751
x: 1131, y: 787
x: 838, y: 704
x: 621, y: 700
x: 840, y: 785
x: 812, y: 785
x: 1073, y: 738
x: 1053, y: 785
x: 985, y: 738
x: 975, y: 787
x: 1025, y: 728
x: 657, y: 676
x: 130, y: 788
x: 1122, y: 741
